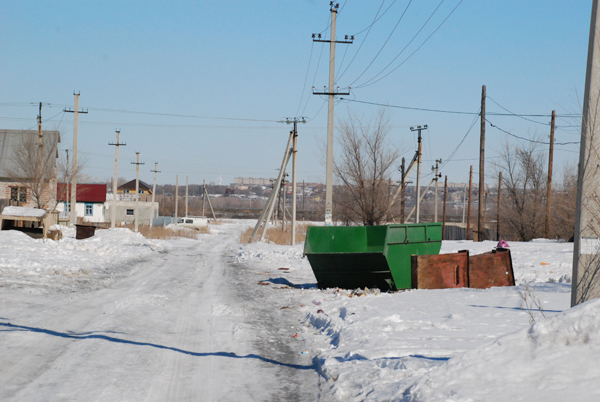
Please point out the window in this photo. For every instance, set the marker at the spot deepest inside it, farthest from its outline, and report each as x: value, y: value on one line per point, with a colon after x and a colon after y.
x: 125, y: 191
x: 141, y: 191
x: 130, y: 212
x: 18, y: 194
x: 67, y: 207
x: 189, y: 221
x: 89, y: 209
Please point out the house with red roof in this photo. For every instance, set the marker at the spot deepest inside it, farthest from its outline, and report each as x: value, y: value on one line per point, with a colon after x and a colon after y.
x: 90, y: 201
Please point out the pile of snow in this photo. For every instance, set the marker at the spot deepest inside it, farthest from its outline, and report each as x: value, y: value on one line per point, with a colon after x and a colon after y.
x: 24, y: 211
x: 47, y: 265
x: 553, y: 360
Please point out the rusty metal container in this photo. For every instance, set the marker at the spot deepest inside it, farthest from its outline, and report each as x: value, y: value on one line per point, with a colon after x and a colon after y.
x: 440, y: 271
x: 491, y: 269
x: 84, y: 231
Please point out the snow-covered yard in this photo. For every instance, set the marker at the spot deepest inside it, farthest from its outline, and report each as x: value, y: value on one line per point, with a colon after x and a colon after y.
x: 120, y: 317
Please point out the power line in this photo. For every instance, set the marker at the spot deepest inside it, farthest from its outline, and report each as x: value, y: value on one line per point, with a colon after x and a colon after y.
x: 368, y: 83
x: 312, y: 45
x: 384, y: 43
x: 377, y: 18
x: 408, y: 44
x: 528, y: 139
x: 451, y: 111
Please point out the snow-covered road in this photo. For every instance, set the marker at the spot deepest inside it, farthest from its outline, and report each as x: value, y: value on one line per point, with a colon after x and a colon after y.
x: 179, y: 327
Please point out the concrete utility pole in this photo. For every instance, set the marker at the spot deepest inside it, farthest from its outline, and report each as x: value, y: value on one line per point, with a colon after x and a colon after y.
x: 498, y: 209
x: 464, y: 202
x: 330, y: 93
x: 176, y: 195
x: 137, y: 189
x: 436, y: 177
x: 586, y: 248
x: 469, y: 209
x: 186, y: 196
x: 549, y: 188
x: 154, y: 189
x: 203, y: 195
x: 419, y: 129
x: 113, y: 212
x: 295, y: 121
x: 481, y: 212
x: 75, y: 111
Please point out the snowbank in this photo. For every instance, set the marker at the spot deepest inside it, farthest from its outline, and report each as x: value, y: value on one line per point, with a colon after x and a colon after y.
x: 553, y: 360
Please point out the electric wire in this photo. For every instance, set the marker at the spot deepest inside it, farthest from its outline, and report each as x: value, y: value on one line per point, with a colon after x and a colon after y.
x: 528, y: 139
x: 363, y: 41
x: 407, y: 45
x: 368, y: 83
x: 305, y: 77
x: 377, y: 19
x: 385, y: 43
x: 314, y: 77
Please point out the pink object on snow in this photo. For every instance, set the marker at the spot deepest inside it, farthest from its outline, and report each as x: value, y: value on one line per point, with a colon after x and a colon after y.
x: 502, y: 244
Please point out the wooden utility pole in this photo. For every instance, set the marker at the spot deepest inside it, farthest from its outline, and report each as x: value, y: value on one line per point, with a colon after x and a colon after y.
x: 550, y: 161
x: 480, y: 213
x: 469, y: 208
x: 586, y: 247
x: 498, y: 209
x: 176, y: 195
x: 186, y: 196
x: 436, y: 178
x: 403, y: 191
x: 113, y: 212
x: 136, y: 216
x: 40, y: 165
x: 331, y: 92
x: 154, y: 190
x: 75, y: 111
x: 444, y: 212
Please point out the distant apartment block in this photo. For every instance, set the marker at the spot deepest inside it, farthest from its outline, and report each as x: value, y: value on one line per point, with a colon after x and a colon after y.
x: 251, y: 181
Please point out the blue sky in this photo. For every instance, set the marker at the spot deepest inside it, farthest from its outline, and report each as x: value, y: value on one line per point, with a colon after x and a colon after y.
x: 239, y: 67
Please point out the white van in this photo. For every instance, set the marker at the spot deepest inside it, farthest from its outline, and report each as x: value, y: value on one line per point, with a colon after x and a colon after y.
x: 193, y: 222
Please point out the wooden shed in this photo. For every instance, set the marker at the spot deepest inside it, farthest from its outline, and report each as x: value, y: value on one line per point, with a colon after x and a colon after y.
x: 32, y: 221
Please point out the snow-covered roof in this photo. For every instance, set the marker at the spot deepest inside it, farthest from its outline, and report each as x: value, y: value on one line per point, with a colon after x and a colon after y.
x: 24, y: 211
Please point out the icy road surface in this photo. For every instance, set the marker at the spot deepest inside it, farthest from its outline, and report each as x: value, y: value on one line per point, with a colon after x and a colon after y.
x: 177, y: 325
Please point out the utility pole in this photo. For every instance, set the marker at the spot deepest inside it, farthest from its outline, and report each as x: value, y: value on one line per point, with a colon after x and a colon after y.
x: 40, y: 166
x: 186, y: 196
x: 498, y: 208
x: 403, y: 190
x: 284, y: 189
x: 586, y: 248
x: 480, y: 214
x: 419, y: 129
x: 294, y: 152
x: 550, y: 160
x: 68, y: 204
x: 113, y: 212
x: 203, y: 195
x: 444, y: 213
x: 154, y: 189
x: 75, y: 111
x: 330, y: 93
x: 436, y: 177
x: 176, y: 196
x: 469, y: 208
x: 464, y: 202
x: 137, y: 189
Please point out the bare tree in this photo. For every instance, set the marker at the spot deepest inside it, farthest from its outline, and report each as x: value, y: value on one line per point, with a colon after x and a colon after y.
x: 363, y: 170
x: 34, y: 167
x: 524, y: 183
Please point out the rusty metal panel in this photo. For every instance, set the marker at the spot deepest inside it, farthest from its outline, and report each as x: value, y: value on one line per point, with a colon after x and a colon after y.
x: 440, y: 271
x: 491, y: 269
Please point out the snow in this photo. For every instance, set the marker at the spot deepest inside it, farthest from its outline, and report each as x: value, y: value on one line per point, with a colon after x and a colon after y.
x: 122, y: 317
x: 24, y: 211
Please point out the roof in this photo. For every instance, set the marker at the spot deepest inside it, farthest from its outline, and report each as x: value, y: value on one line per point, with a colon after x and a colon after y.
x: 130, y: 185
x: 85, y: 192
x: 11, y: 139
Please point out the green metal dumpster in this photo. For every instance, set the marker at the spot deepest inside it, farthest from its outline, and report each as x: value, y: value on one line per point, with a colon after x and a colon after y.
x: 369, y: 256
